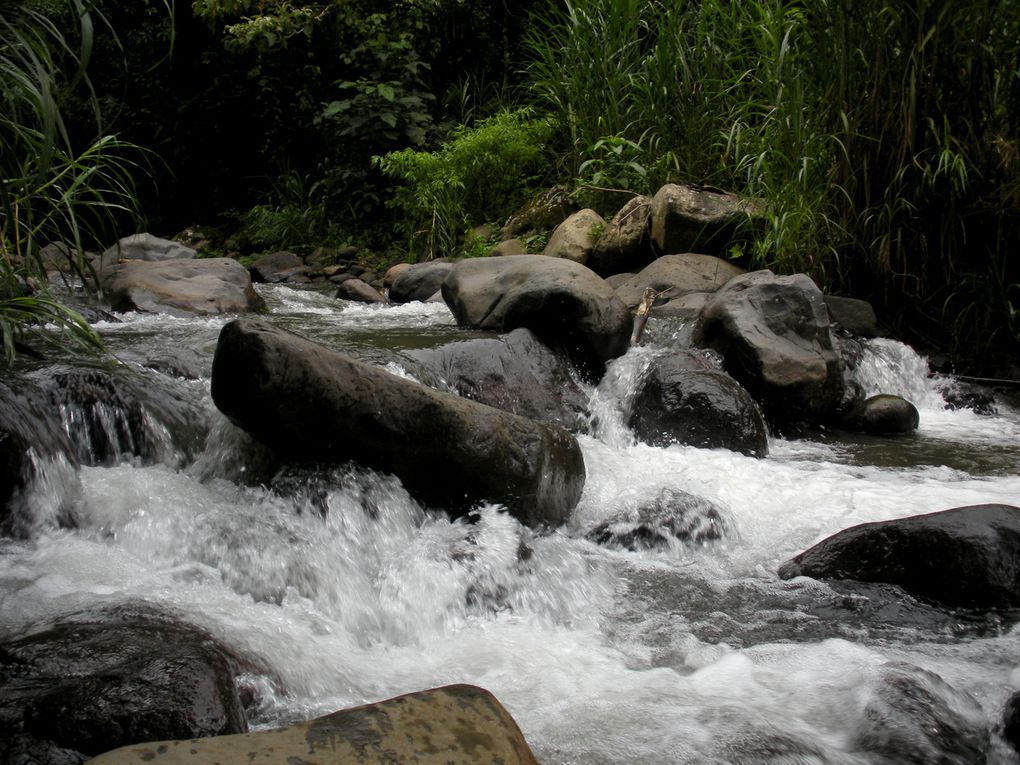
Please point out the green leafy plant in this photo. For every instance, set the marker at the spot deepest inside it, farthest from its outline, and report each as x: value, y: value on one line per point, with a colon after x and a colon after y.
x: 481, y: 174
x: 52, y: 187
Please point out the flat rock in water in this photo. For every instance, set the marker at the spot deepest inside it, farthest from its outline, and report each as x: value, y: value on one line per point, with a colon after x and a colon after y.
x: 967, y: 557
x: 312, y: 404
x: 182, y: 287
x: 459, y: 724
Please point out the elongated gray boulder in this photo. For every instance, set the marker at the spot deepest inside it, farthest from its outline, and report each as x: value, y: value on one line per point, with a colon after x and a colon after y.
x: 773, y: 334
x: 677, y: 275
x: 182, y: 287
x: 514, y: 372
x: 684, y: 400
x: 567, y: 305
x: 419, y: 281
x: 312, y: 404
x: 460, y: 724
x: 966, y: 557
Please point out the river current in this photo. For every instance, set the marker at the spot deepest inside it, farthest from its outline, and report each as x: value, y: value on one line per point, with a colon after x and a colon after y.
x: 683, y: 654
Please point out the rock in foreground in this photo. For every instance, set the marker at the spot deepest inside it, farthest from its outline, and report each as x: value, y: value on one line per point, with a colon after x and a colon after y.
x: 455, y: 724
x: 311, y: 404
x: 967, y: 557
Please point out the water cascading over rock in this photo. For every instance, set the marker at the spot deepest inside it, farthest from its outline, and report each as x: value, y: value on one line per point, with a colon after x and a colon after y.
x: 312, y: 404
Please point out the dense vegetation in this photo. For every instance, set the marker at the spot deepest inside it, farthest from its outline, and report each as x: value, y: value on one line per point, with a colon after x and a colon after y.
x: 884, y: 137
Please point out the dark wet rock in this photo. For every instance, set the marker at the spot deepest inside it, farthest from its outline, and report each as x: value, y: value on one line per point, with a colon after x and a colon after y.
x: 126, y: 675
x: 514, y: 372
x: 565, y: 304
x: 358, y: 291
x: 677, y: 275
x: 419, y: 282
x: 276, y: 267
x: 182, y: 287
x: 691, y: 218
x: 682, y: 399
x: 884, y: 414
x: 672, y: 515
x: 625, y: 245
x: 454, y: 724
x: 855, y: 316
x: 959, y: 394
x: 967, y: 557
x: 914, y: 717
x: 28, y: 750
x: 773, y: 334
x: 310, y: 404
x: 575, y: 238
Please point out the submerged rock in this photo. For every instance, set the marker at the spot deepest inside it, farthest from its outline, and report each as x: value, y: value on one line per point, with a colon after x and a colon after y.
x: 967, y: 557
x: 565, y: 304
x: 455, y: 724
x: 311, y: 404
x: 182, y: 287
x: 121, y: 676
x: 672, y: 515
x: 773, y: 334
x: 682, y: 399
x: 514, y: 372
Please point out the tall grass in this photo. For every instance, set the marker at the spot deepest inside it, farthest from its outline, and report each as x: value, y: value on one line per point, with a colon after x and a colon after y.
x: 54, y: 186
x: 882, y: 137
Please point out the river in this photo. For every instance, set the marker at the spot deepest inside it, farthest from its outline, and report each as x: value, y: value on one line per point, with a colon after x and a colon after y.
x: 691, y: 653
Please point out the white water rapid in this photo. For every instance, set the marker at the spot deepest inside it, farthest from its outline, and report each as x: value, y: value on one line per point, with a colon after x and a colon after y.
x: 685, y: 654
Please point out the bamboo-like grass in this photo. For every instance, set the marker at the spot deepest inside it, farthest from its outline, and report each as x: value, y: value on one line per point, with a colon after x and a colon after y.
x: 53, y: 187
x: 883, y: 138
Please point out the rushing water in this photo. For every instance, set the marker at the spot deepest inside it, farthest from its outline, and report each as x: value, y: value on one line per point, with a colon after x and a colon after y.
x: 686, y: 654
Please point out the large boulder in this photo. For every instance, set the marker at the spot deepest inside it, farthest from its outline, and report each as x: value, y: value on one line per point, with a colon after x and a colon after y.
x: 773, y: 334
x: 675, y: 276
x: 543, y: 212
x: 419, y: 281
x: 122, y: 676
x: 311, y: 404
x: 564, y: 303
x: 182, y: 287
x: 691, y: 218
x: 624, y: 245
x: 681, y: 399
x: 460, y: 724
x: 514, y: 372
x: 143, y: 247
x: 575, y: 238
x: 967, y: 557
